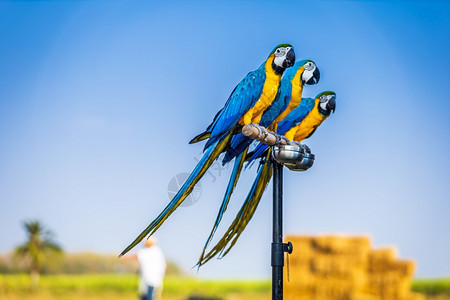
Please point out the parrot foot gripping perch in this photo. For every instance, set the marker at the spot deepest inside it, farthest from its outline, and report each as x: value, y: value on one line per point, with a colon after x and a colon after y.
x: 295, y: 156
x: 261, y: 134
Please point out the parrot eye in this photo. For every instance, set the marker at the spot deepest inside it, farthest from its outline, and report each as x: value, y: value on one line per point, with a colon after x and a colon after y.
x: 323, y: 98
x: 309, y: 66
x: 280, y: 52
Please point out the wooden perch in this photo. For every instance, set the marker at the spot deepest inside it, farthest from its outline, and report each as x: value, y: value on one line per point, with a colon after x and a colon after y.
x: 270, y: 138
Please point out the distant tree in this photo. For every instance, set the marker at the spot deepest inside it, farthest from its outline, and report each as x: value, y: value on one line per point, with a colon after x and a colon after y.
x: 39, y: 243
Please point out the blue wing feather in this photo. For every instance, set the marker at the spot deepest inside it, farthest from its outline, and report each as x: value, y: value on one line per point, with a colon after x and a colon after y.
x: 238, y: 144
x: 244, y: 97
x: 296, y: 115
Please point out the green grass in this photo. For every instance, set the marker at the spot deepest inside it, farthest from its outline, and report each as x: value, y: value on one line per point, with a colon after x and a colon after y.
x: 62, y: 284
x: 432, y: 287
x: 125, y: 286
x: 214, y: 288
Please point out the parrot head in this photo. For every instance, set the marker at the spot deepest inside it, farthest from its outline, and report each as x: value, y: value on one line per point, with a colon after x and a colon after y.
x: 311, y: 74
x: 303, y: 72
x: 283, y: 57
x: 327, y: 102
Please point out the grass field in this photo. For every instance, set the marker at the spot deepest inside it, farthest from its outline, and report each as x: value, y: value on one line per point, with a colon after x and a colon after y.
x: 433, y: 288
x: 115, y: 287
x: 90, y: 287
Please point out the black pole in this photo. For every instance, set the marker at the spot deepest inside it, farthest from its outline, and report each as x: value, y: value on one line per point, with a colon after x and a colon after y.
x: 277, y: 238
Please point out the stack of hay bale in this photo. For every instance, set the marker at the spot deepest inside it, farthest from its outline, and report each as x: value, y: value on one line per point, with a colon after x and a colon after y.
x: 389, y: 278
x: 345, y: 268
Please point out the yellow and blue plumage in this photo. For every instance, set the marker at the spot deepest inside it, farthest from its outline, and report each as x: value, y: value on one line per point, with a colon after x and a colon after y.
x: 324, y: 103
x: 245, y: 105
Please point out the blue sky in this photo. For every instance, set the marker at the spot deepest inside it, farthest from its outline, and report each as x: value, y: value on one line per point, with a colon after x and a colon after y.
x: 98, y: 100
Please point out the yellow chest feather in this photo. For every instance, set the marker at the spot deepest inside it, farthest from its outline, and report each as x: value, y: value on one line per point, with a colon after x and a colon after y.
x: 311, y: 122
x: 268, y: 94
x: 296, y: 96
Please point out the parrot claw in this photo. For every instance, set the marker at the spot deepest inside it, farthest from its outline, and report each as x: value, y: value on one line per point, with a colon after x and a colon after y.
x: 259, y: 130
x: 278, y: 141
x: 266, y: 133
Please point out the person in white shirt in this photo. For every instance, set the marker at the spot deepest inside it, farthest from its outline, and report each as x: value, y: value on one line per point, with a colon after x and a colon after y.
x: 152, y: 269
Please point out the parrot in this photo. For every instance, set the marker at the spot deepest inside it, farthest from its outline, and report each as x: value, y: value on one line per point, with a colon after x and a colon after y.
x: 288, y: 97
x: 249, y: 99
x: 301, y: 123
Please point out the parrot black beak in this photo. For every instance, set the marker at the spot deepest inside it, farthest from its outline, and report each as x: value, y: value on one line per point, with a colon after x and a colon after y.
x: 316, y: 75
x: 331, y: 105
x: 290, y: 58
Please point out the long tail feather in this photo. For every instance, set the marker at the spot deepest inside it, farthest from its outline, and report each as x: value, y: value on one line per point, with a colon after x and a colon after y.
x: 202, y: 136
x: 208, y: 158
x: 239, y: 162
x: 244, y: 215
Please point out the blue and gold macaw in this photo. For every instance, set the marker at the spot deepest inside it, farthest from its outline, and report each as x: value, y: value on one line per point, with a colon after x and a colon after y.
x: 247, y: 102
x: 288, y: 97
x: 301, y: 123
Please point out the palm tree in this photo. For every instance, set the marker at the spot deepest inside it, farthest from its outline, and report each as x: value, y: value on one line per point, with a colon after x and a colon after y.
x: 38, y: 244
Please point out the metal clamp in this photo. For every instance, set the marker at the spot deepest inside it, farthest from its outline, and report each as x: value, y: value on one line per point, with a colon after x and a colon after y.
x: 297, y: 157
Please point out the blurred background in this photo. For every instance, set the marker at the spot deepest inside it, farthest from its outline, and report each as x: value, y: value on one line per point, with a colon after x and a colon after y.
x: 99, y: 99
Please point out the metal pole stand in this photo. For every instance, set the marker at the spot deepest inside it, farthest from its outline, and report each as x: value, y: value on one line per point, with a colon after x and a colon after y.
x: 296, y: 158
